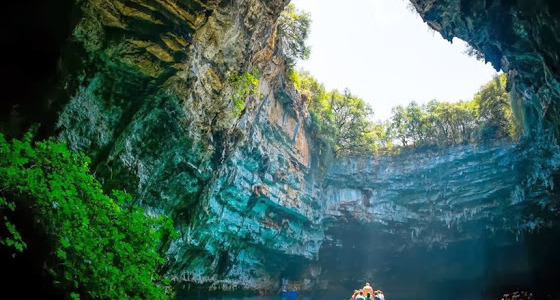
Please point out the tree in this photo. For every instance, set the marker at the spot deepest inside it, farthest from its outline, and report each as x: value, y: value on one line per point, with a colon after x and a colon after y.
x: 293, y: 30
x: 435, y: 123
x: 415, y: 122
x: 495, y: 114
x: 102, y: 246
x: 351, y: 120
x: 316, y: 99
x: 474, y: 52
x: 399, y: 124
x: 340, y: 121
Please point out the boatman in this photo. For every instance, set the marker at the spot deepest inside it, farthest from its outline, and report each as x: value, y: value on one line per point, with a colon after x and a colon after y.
x: 367, y: 289
x: 284, y: 284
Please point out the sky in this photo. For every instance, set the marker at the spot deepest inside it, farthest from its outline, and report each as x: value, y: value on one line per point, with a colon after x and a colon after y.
x: 384, y: 53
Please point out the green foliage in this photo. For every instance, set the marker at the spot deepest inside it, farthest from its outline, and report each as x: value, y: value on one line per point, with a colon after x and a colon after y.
x: 496, y: 116
x: 102, y: 247
x: 351, y: 123
x: 293, y: 30
x: 399, y: 125
x: 243, y: 85
x: 436, y: 123
x: 293, y: 76
x: 320, y: 111
x: 487, y: 117
x: 13, y: 239
x: 450, y: 123
x: 341, y: 121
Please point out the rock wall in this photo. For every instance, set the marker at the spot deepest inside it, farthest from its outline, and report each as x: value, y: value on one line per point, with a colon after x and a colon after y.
x: 434, y: 198
x: 259, y: 209
x: 151, y: 103
x: 434, y: 225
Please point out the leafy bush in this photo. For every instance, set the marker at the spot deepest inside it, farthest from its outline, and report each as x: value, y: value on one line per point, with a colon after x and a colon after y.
x: 13, y: 238
x: 243, y: 85
x: 293, y: 76
x: 102, y: 247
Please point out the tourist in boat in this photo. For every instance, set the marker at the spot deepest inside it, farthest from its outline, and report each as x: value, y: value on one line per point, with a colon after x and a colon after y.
x: 354, y: 295
x: 367, y: 289
x: 284, y: 284
x: 360, y: 296
x: 380, y: 295
x: 368, y: 296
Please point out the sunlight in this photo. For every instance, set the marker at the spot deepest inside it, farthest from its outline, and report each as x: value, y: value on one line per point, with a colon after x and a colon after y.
x: 384, y: 53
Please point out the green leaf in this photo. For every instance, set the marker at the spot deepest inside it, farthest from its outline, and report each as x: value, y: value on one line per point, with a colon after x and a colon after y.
x: 61, y: 254
x: 64, y: 242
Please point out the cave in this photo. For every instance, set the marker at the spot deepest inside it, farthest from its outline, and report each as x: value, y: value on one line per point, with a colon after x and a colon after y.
x: 142, y: 87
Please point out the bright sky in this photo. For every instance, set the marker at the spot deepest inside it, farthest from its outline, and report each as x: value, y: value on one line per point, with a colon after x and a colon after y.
x: 387, y: 55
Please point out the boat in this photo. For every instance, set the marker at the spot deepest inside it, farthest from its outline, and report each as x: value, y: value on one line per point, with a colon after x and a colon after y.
x: 290, y: 289
x: 290, y: 294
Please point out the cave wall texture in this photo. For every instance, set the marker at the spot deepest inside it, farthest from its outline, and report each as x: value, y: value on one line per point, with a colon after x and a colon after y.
x: 142, y: 87
x: 519, y: 37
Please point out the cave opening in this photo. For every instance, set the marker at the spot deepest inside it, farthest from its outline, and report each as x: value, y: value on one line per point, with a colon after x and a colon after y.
x: 470, y: 259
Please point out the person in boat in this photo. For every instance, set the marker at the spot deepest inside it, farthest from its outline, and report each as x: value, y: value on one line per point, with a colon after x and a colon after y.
x: 360, y: 296
x: 369, y: 296
x: 380, y: 295
x: 354, y: 295
x: 367, y: 289
x: 284, y: 284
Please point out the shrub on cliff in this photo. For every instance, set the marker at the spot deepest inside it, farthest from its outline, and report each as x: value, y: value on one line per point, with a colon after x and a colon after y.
x: 100, y: 247
x: 243, y: 85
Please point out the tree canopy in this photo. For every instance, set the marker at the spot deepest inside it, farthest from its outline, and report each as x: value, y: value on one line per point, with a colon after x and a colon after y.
x: 293, y: 30
x: 488, y: 117
x: 495, y: 113
x: 342, y: 121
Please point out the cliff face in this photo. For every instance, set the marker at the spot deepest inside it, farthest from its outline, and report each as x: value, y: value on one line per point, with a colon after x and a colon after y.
x: 143, y: 88
x: 153, y: 106
x: 434, y: 225
x: 432, y: 198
